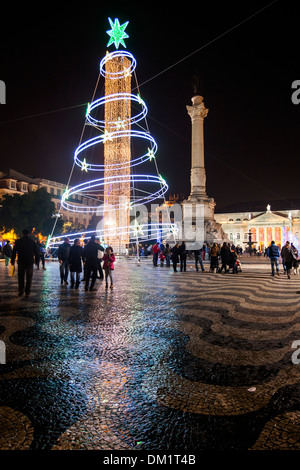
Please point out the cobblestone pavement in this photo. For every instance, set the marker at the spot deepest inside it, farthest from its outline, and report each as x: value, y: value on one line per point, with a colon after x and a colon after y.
x: 164, y: 361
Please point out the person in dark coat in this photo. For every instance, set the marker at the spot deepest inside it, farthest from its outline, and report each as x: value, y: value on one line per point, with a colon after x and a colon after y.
x: 233, y: 259
x: 288, y: 257
x: 75, y: 262
x: 175, y: 256
x: 42, y: 251
x: 225, y: 257
x: 7, y: 251
x: 63, y: 256
x: 296, y: 259
x: 85, y: 242
x: 182, y: 254
x: 28, y: 254
x: 100, y: 258
x: 90, y: 254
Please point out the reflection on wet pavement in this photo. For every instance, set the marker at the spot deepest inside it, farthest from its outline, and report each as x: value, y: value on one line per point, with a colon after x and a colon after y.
x: 164, y: 361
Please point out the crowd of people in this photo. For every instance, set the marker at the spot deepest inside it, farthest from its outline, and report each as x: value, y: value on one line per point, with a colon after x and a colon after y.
x: 96, y: 262
x: 224, y: 257
x: 73, y: 259
x: 220, y: 257
x: 87, y: 259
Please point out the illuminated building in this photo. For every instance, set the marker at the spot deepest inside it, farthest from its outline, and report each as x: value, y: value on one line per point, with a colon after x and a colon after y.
x: 279, y: 222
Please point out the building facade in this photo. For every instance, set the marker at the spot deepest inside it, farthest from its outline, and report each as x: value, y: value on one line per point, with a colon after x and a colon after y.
x: 13, y: 182
x: 280, y: 225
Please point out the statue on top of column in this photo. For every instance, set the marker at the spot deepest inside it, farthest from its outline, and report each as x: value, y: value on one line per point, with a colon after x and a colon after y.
x: 198, y: 83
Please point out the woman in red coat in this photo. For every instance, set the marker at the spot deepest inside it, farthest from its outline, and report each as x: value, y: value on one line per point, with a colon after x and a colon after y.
x: 108, y: 266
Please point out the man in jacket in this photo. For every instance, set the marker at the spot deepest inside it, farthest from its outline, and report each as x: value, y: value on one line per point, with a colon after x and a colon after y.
x: 182, y: 254
x: 175, y: 256
x: 27, y: 254
x: 273, y: 253
x: 199, y: 259
x: 100, y: 258
x: 63, y: 257
x: 225, y: 257
x: 90, y: 254
x: 155, y: 251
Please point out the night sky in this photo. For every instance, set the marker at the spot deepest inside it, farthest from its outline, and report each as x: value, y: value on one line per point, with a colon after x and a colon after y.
x: 50, y: 61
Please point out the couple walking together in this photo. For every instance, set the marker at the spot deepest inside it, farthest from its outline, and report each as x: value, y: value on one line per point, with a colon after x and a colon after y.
x: 288, y: 254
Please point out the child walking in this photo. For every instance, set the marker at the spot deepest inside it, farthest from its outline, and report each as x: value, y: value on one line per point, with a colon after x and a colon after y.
x: 108, y: 266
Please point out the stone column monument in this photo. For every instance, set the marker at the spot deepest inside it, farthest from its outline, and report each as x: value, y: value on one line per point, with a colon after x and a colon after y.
x: 197, y: 113
x: 199, y: 209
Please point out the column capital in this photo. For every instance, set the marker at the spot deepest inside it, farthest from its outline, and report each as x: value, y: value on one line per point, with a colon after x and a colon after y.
x: 198, y: 108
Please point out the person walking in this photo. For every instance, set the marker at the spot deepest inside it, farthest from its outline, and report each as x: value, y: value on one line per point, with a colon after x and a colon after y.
x: 233, y: 260
x: 214, y: 253
x: 75, y: 262
x: 204, y: 250
x: 42, y: 251
x: 85, y: 242
x: 100, y: 259
x: 63, y: 257
x: 288, y: 257
x: 108, y: 266
x: 28, y: 254
x: 175, y: 256
x: 7, y: 251
x: 296, y: 258
x: 225, y: 257
x: 90, y: 254
x: 273, y: 252
x: 155, y: 251
x: 182, y: 255
x: 168, y: 255
x: 199, y: 259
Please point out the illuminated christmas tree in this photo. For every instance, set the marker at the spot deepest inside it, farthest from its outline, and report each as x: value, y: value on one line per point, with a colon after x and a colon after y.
x: 120, y: 145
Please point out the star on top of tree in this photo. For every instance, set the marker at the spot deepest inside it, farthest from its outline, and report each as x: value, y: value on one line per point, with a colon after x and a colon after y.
x: 117, y: 33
